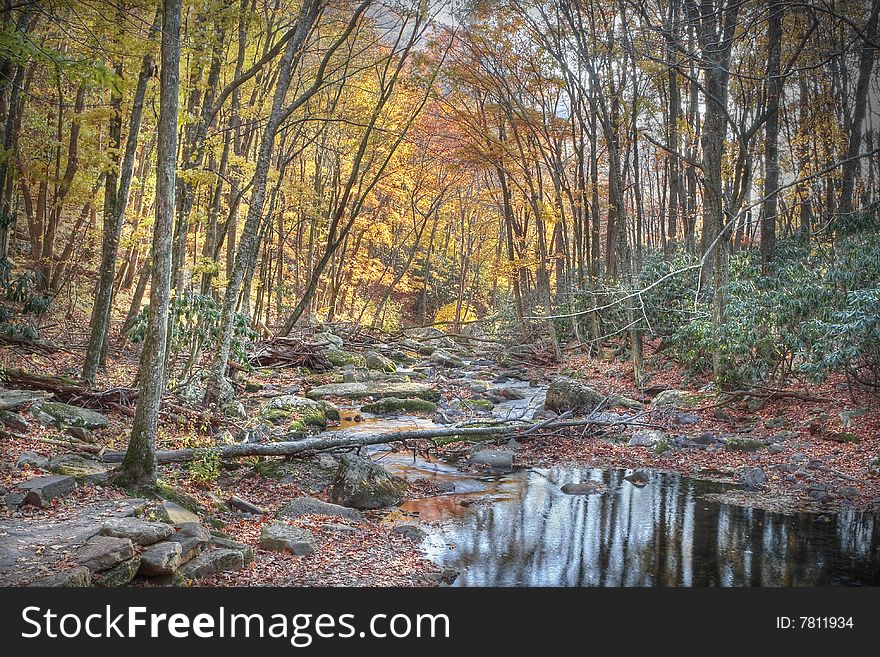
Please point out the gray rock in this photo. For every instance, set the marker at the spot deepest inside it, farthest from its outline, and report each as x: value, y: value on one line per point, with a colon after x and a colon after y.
x: 847, y: 416
x: 141, y: 532
x: 81, y: 468
x: 776, y: 422
x: 14, y: 421
x: 32, y: 460
x: 848, y: 491
x: 776, y: 449
x: 211, y: 562
x: 280, y: 536
x: 326, y: 339
x: 782, y: 436
x: 192, y: 537
x: 120, y: 575
x: 498, y: 459
x: 687, y: 418
x: 104, y: 552
x: 446, y: 359
x: 175, y: 514
x: 646, y: 438
x: 376, y: 361
x: 753, y: 478
x: 243, y: 505
x: 565, y: 394
x: 13, y: 501
x: 639, y: 478
x: 40, y: 491
x: 161, y: 559
x: 677, y: 399
x: 301, y: 506
x: 307, y: 411
x: 78, y: 576
x: 12, y: 400
x: 377, y: 389
x: 247, y: 552
x: 584, y: 488
x: 363, y: 484
x: 65, y: 415
x: 412, y: 532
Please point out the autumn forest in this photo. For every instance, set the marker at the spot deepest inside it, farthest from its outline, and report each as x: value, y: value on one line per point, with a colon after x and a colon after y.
x: 253, y: 251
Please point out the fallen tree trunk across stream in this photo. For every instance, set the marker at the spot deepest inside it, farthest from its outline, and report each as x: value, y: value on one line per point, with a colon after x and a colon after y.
x: 323, y: 443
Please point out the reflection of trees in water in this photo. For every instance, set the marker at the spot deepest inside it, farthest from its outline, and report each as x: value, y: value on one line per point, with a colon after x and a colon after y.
x: 661, y: 535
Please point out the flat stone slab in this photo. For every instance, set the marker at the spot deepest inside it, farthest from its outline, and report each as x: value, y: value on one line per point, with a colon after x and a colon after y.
x: 212, y: 562
x: 498, y: 459
x: 279, y: 537
x: 30, y: 548
x: 104, y: 552
x: 11, y: 400
x: 40, y: 491
x: 66, y: 415
x: 141, y: 532
x: 76, y: 577
x: 311, y: 506
x: 378, y: 389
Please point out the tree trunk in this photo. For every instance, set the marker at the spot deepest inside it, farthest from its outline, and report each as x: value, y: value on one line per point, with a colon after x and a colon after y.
x: 138, y: 467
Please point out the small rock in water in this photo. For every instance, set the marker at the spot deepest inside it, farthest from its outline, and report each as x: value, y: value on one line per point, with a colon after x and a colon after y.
x: 639, y: 478
x: 753, y: 478
x: 584, y: 488
x: 497, y: 459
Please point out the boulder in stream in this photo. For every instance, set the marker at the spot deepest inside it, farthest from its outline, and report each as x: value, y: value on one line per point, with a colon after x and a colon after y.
x: 565, y: 394
x: 362, y: 484
x: 376, y: 361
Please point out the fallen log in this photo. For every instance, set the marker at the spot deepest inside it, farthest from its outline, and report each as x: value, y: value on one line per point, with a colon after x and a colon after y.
x: 323, y: 443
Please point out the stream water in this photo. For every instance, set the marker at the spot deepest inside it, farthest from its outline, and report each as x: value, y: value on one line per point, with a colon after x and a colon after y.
x: 520, y: 529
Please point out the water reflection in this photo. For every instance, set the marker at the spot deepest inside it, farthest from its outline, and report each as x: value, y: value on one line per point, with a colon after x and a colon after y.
x: 531, y: 534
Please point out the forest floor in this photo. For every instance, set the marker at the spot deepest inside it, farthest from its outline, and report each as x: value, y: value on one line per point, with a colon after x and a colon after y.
x: 805, y: 466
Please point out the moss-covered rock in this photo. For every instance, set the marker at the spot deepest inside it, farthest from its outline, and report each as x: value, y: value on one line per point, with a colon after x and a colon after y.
x: 564, y: 394
x: 341, y: 358
x: 744, y: 444
x: 173, y: 494
x: 376, y: 361
x: 479, y: 404
x: 295, y: 409
x: 679, y: 399
x: 393, y: 405
x: 65, y: 415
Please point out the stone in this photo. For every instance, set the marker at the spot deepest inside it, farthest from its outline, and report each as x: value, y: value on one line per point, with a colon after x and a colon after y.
x: 84, y: 470
x: 65, y: 415
x: 705, y: 438
x: 678, y: 399
x: 776, y: 422
x: 14, y: 421
x: 848, y: 491
x: 341, y: 358
x: 12, y: 400
x: 412, y: 532
x: 565, y: 394
x: 280, y: 536
x: 287, y: 407
x: 161, y: 559
x: 584, y: 488
x: 498, y: 459
x: 782, y: 436
x: 76, y: 577
x: 243, y: 505
x: 175, y: 514
x: 686, y: 418
x: 395, y: 405
x: 847, y: 416
x: 326, y: 339
x: 211, y: 562
x: 140, y: 532
x: 192, y: 537
x: 40, y: 491
x: 445, y: 359
x: 363, y: 484
x: 120, y: 575
x: 13, y: 501
x: 301, y: 506
x: 753, y: 478
x: 378, y: 389
x: 639, y: 478
x: 776, y: 449
x: 744, y: 444
x: 234, y: 409
x: 647, y: 438
x: 376, y: 361
x: 104, y: 552
x: 31, y: 460
x: 247, y: 552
